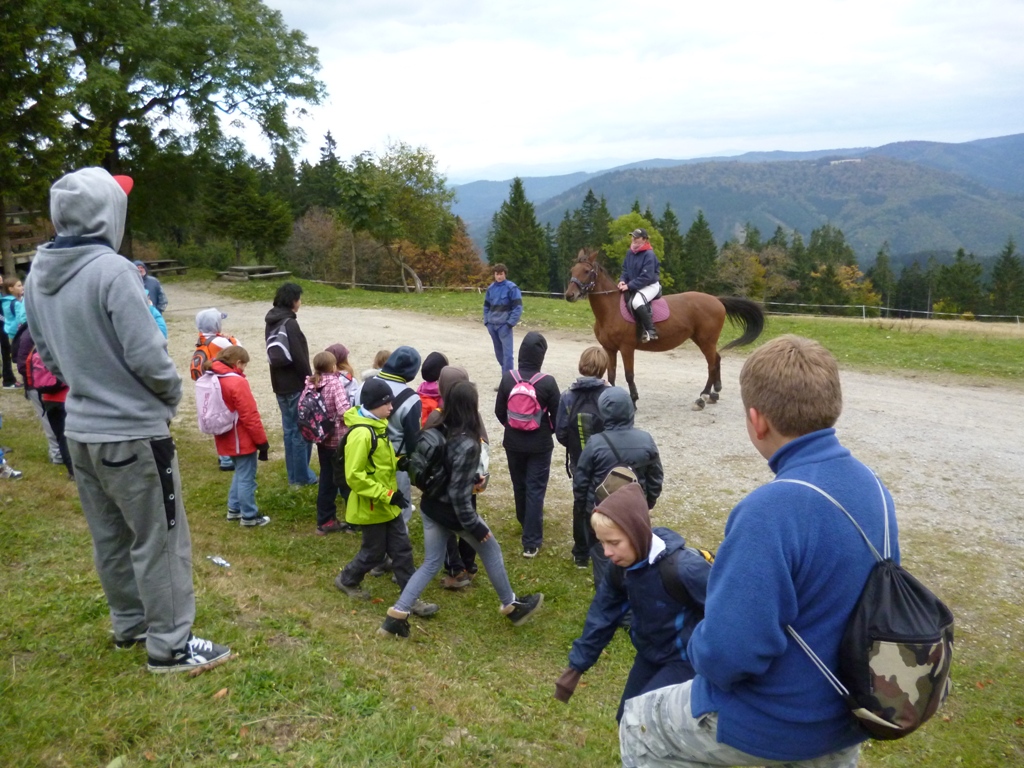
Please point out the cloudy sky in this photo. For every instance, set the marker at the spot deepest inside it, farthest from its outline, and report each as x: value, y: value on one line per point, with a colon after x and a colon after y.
x: 535, y: 87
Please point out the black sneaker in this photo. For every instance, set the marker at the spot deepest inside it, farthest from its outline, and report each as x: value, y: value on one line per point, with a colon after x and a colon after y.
x: 136, y: 637
x: 524, y: 607
x: 197, y: 654
x: 394, y: 627
x: 383, y: 568
x: 531, y: 552
x: 234, y: 514
x: 582, y: 562
x: 256, y: 522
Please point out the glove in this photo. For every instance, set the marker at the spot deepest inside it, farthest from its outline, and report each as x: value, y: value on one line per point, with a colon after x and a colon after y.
x: 403, y: 464
x: 565, y: 685
x: 398, y: 500
x: 263, y: 449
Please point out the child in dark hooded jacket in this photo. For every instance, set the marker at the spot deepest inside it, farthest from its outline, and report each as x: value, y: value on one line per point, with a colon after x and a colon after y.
x: 661, y: 624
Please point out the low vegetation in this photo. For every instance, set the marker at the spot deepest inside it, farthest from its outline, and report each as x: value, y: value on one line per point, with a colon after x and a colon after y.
x: 313, y: 686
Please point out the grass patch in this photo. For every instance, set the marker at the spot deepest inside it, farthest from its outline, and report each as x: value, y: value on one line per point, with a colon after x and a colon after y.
x: 978, y: 351
x: 314, y: 686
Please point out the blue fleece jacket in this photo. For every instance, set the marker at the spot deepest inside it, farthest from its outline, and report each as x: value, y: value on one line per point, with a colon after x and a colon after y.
x: 503, y: 303
x: 788, y: 557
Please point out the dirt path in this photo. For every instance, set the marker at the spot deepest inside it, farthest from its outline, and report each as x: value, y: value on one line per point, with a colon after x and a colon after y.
x: 952, y: 453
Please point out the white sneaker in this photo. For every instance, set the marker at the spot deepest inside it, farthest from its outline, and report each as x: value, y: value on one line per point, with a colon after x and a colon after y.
x: 8, y: 472
x: 197, y: 654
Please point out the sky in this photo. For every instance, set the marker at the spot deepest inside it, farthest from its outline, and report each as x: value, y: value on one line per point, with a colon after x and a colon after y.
x: 539, y: 87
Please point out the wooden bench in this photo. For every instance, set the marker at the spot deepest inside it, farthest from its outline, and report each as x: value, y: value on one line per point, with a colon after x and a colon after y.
x: 269, y: 275
x: 252, y: 272
x: 164, y: 266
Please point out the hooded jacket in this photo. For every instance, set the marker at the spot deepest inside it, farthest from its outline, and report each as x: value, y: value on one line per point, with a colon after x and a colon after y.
x: 90, y: 318
x: 248, y: 433
x: 153, y: 287
x: 289, y: 379
x: 503, y: 304
x: 13, y: 312
x: 573, y: 433
x: 635, y: 447
x: 372, y: 478
x: 640, y: 269
x: 661, y: 626
x: 404, y: 423
x: 531, y: 358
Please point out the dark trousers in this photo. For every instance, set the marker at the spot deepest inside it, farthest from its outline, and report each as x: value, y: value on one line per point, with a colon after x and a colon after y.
x: 380, y: 539
x: 645, y: 677
x: 582, y: 534
x: 328, y: 492
x: 459, y: 556
x: 5, y: 351
x: 529, y: 473
x: 55, y: 415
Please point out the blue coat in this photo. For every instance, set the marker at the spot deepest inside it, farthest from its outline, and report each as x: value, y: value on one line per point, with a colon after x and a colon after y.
x: 788, y: 557
x: 640, y: 269
x: 661, y: 627
x: 503, y: 303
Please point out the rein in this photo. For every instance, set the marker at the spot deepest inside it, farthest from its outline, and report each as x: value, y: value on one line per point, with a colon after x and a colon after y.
x: 588, y: 287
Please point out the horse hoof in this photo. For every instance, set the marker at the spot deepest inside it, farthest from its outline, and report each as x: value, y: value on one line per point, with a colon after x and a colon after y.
x: 713, y: 397
x: 698, y: 405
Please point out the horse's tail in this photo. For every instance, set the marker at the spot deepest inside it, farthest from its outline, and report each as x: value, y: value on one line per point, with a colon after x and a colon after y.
x: 748, y: 314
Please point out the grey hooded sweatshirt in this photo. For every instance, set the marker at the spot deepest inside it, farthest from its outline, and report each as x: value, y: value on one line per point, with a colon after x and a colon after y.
x: 90, y: 319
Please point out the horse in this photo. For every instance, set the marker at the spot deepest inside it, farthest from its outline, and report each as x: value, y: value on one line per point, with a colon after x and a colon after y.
x: 693, y: 315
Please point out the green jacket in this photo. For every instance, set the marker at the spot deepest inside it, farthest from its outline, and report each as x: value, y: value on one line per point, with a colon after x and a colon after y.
x: 372, y: 478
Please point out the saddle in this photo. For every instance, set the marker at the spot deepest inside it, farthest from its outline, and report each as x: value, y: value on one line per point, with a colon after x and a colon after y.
x: 659, y: 310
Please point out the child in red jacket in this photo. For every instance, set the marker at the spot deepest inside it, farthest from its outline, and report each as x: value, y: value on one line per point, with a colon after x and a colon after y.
x: 246, y: 440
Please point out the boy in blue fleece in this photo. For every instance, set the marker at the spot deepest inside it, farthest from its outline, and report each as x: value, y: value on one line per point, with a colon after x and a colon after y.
x: 662, y: 623
x: 788, y: 558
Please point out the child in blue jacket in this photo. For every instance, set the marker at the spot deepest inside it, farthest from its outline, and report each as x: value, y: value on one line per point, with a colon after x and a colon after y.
x: 667, y: 602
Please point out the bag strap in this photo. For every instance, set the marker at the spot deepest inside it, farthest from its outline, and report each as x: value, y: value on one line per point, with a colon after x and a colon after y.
x: 615, y: 452
x: 822, y: 667
x: 537, y: 377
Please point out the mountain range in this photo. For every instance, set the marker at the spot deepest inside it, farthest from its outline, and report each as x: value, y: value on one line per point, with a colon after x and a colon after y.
x: 917, y: 196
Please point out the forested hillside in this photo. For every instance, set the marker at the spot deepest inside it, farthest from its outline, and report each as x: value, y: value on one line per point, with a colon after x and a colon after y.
x: 872, y: 199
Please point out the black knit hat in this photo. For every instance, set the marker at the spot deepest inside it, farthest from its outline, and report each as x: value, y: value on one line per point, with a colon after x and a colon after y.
x: 432, y: 366
x: 375, y: 393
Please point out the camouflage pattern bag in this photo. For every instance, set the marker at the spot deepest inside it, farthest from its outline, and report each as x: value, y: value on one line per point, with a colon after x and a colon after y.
x: 895, y: 656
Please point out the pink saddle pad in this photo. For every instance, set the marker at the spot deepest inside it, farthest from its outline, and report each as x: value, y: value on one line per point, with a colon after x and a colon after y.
x: 659, y: 310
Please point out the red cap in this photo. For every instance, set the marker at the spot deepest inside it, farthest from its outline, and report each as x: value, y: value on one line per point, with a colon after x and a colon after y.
x: 125, y: 183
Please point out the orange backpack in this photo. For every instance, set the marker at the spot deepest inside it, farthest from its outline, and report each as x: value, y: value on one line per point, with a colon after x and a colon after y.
x: 205, y: 350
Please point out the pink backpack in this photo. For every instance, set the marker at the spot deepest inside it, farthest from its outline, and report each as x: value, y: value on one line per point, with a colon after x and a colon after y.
x: 524, y: 409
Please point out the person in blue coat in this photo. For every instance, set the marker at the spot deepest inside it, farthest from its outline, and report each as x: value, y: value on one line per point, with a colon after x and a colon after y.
x: 664, y: 614
x: 503, y: 306
x: 640, y: 278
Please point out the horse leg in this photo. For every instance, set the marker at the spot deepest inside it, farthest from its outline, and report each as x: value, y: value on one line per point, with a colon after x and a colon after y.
x: 710, y: 351
x: 718, y: 378
x: 627, y: 367
x: 611, y: 364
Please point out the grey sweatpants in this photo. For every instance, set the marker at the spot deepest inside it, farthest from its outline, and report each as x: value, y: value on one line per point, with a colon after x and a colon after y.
x: 131, y: 495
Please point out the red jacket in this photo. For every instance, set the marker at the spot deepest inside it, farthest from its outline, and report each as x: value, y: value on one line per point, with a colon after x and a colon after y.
x: 248, y: 432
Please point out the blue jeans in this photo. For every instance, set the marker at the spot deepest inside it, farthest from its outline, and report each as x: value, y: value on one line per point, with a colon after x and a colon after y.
x: 501, y: 336
x: 242, y: 496
x: 297, y: 452
x: 435, y: 541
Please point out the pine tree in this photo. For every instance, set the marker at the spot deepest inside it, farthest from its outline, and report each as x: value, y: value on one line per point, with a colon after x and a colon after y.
x: 778, y: 239
x: 672, y: 258
x: 1008, y: 282
x: 959, y: 284
x: 519, y: 242
x: 752, y: 237
x: 636, y: 206
x: 699, y: 255
x: 882, y: 277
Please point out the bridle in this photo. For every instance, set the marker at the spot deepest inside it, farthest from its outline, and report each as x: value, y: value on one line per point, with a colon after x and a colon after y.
x: 587, y: 287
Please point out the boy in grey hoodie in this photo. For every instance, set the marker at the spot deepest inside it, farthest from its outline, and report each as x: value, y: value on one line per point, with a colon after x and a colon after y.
x: 91, y: 323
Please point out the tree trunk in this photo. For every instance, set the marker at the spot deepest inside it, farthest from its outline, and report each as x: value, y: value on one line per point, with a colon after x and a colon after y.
x: 5, y: 241
x: 352, y: 234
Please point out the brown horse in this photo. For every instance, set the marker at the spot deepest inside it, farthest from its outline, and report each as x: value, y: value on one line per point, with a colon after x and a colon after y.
x: 693, y: 315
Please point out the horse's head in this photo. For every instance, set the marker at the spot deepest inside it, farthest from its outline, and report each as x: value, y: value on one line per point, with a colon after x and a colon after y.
x: 583, y: 276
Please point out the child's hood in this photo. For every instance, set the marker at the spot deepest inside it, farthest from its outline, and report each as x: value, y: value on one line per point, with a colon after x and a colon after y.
x: 616, y: 408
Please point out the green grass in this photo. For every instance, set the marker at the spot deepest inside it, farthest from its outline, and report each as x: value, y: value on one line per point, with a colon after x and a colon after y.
x: 977, y: 351
x: 312, y: 685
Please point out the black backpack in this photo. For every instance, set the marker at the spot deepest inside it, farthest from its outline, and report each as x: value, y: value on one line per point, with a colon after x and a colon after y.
x: 586, y: 421
x: 279, y: 351
x: 338, y: 462
x: 895, y: 655
x: 427, y: 467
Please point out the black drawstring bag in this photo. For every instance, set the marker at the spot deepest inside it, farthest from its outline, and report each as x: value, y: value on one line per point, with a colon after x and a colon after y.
x: 895, y: 656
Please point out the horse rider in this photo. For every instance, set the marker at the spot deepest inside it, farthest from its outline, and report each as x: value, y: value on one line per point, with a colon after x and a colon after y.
x: 640, y: 277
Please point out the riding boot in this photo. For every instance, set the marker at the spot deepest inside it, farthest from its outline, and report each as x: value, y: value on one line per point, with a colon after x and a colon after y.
x: 643, y: 315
